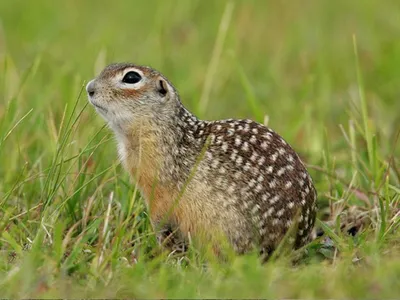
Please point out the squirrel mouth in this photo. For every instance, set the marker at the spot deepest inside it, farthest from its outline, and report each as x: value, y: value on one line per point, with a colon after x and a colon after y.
x: 97, y: 106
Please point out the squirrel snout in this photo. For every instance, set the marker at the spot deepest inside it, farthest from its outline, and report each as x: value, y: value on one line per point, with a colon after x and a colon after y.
x: 90, y: 88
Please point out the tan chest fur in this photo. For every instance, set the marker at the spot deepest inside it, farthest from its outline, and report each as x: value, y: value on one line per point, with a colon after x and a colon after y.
x: 189, y: 209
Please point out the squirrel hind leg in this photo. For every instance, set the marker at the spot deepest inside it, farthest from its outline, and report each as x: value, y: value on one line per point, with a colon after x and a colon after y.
x: 172, y: 240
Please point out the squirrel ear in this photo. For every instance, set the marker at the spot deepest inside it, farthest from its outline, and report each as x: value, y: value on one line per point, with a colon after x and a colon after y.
x: 162, y: 87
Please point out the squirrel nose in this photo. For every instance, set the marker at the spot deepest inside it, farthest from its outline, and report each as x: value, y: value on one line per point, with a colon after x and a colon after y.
x: 90, y: 88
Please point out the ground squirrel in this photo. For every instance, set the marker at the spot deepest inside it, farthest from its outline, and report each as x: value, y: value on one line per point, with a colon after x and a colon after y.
x: 236, y: 177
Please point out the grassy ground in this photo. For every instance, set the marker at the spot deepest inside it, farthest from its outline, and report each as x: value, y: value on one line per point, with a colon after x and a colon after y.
x: 324, y: 74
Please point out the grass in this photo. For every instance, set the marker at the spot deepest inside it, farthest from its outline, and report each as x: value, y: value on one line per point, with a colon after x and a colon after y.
x: 323, y: 74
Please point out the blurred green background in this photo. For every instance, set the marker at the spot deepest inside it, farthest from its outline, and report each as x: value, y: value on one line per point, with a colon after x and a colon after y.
x: 292, y: 63
x: 296, y: 57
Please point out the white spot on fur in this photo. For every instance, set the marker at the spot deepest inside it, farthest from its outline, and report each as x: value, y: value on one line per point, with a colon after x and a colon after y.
x: 255, y: 209
x: 233, y: 156
x: 209, y: 155
x: 259, y: 187
x: 280, y: 212
x: 274, y: 199
x: 281, y: 171
x: 252, y: 183
x: 238, y: 141
x: 245, y: 146
x: 270, y: 211
x: 215, y: 163
x: 274, y: 156
x: 281, y: 151
x: 254, y: 156
x: 225, y: 146
x: 261, y: 160
x: 270, y: 169
x: 212, y: 138
x: 264, y: 145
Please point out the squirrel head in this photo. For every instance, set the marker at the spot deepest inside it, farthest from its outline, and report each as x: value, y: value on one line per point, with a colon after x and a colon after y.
x: 125, y: 93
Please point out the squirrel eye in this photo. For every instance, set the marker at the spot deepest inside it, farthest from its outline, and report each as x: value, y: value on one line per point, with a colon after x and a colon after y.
x: 131, y: 77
